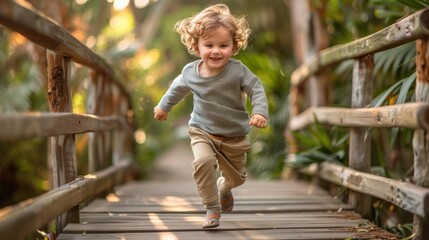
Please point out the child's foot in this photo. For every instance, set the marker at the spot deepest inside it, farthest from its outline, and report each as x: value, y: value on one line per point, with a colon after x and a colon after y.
x: 225, y: 195
x: 227, y: 202
x: 212, y: 219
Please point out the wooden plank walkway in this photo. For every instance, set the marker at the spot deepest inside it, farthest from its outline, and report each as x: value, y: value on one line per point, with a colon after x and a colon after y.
x: 170, y: 209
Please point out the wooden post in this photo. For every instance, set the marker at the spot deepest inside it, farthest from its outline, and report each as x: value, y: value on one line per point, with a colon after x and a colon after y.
x: 93, y: 106
x: 360, y: 140
x: 118, y: 140
x: 108, y: 111
x: 100, y: 102
x: 421, y: 136
x: 62, y: 148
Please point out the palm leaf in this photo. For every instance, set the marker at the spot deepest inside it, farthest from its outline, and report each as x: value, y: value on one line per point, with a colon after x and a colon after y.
x: 381, y: 98
x: 321, y: 134
x: 16, y: 95
x: 399, y: 60
x: 317, y: 144
x: 405, y: 88
x: 402, y: 96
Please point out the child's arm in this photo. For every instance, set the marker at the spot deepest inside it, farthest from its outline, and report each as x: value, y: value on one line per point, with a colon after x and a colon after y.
x: 175, y: 93
x: 258, y: 120
x: 160, y: 114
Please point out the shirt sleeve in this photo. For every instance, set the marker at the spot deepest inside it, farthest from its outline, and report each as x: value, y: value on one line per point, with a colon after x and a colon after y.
x: 175, y: 93
x: 253, y: 87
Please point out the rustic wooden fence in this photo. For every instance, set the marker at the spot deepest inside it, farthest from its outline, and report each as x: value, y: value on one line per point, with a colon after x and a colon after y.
x: 360, y: 118
x: 109, y: 121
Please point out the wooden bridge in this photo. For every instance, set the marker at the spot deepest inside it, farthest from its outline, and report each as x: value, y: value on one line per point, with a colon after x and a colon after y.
x: 168, y: 207
x: 107, y: 205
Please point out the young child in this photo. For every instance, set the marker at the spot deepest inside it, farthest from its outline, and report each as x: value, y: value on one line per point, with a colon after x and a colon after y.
x: 219, y: 122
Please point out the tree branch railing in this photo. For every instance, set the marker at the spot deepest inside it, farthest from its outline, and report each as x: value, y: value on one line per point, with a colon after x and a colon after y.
x: 360, y: 118
x: 108, y: 122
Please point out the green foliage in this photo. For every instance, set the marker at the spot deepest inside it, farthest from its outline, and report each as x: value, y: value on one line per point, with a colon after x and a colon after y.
x: 20, y: 85
x: 398, y: 91
x: 390, y: 10
x: 317, y: 144
x: 349, y: 20
x: 399, y: 61
x: 22, y: 170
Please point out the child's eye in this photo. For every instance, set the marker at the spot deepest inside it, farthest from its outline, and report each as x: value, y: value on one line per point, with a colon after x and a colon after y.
x: 209, y: 45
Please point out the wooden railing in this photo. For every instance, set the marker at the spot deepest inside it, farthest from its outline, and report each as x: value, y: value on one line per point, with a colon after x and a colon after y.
x: 360, y: 118
x: 109, y: 121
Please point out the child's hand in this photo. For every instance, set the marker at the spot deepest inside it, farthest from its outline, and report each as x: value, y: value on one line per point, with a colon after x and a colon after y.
x: 160, y: 114
x: 258, y: 120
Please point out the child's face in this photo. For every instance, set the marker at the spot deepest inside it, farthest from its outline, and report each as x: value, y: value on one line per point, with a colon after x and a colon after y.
x: 215, y: 49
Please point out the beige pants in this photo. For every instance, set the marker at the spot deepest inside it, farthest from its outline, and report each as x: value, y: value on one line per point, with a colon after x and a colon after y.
x: 210, y: 152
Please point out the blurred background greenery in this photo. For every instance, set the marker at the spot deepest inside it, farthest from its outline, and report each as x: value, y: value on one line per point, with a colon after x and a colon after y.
x: 137, y: 37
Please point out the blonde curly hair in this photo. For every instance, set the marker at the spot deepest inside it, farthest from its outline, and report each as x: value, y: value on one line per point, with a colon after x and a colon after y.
x: 200, y: 25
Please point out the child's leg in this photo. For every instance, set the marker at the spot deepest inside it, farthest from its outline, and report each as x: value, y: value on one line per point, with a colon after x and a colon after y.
x: 232, y: 164
x: 204, y: 169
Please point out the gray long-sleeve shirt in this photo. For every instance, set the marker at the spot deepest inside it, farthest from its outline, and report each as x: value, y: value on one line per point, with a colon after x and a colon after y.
x: 219, y: 103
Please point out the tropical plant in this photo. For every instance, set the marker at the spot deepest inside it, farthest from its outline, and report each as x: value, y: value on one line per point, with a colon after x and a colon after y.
x: 317, y: 144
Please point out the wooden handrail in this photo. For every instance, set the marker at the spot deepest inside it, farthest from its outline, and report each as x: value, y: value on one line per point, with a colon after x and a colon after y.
x: 409, y: 115
x: 29, y: 125
x: 405, y: 195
